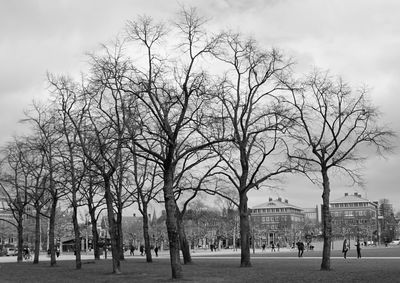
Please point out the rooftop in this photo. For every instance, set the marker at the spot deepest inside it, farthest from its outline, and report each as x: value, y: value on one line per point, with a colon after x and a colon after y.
x: 278, y: 203
x: 356, y: 197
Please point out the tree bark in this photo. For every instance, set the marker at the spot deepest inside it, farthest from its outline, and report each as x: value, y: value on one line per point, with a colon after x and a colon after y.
x: 244, y: 231
x: 95, y: 235
x: 326, y: 223
x: 172, y: 227
x: 112, y: 226
x: 146, y: 236
x: 185, y: 247
x: 37, y: 236
x: 53, y: 260
x: 78, y: 260
x: 20, y: 229
x: 120, y: 236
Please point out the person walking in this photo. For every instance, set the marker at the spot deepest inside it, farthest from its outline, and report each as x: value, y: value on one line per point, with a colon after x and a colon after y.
x: 345, y: 248
x: 156, y: 251
x: 272, y: 247
x: 300, y: 247
x: 358, y: 248
x: 141, y: 249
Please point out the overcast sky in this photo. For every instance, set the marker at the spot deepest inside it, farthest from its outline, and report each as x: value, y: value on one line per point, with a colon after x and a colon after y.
x: 358, y: 40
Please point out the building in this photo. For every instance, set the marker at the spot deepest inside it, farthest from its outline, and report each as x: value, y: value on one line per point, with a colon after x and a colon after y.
x: 277, y: 221
x: 8, y: 232
x: 387, y: 221
x: 354, y: 217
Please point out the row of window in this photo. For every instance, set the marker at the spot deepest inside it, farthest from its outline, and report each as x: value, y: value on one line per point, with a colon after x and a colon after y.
x: 351, y: 204
x: 294, y: 218
x: 352, y: 213
x: 274, y: 210
x: 353, y: 221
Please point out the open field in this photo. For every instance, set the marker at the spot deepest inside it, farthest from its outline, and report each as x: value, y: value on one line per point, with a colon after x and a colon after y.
x: 382, y: 265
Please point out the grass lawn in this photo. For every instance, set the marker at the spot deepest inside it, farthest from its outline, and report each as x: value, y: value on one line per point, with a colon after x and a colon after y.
x: 208, y: 270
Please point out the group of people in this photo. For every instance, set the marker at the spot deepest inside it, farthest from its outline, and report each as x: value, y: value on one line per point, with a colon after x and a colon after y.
x: 273, y: 246
x: 141, y: 250
x: 346, y: 248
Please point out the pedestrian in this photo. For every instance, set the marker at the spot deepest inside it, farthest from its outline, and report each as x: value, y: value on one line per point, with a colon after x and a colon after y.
x: 345, y: 248
x: 58, y: 251
x: 272, y: 247
x: 278, y: 246
x: 263, y: 247
x: 156, y: 251
x: 358, y: 247
x: 141, y: 249
x: 132, y: 249
x: 300, y: 247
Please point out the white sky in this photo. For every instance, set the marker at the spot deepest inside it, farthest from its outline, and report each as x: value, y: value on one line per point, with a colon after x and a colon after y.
x: 359, y: 40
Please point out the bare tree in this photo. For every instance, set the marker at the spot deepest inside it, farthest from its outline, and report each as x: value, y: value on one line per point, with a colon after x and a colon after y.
x: 14, y: 182
x: 38, y: 194
x: 45, y: 125
x: 73, y: 161
x: 100, y: 137
x: 252, y: 115
x: 171, y: 98
x: 333, y: 127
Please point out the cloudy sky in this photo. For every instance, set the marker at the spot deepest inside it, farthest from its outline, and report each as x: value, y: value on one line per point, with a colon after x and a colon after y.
x: 358, y: 40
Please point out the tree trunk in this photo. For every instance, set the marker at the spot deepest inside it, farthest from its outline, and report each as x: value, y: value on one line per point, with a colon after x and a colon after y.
x: 37, y: 236
x: 95, y: 237
x: 146, y: 236
x: 78, y: 260
x: 20, y: 230
x: 120, y: 236
x: 185, y: 247
x: 326, y: 223
x: 244, y: 231
x: 51, y: 232
x: 112, y: 226
x: 172, y: 227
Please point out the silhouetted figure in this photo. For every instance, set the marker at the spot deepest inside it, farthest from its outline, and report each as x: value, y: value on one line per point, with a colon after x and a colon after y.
x: 358, y: 247
x: 345, y: 248
x: 141, y: 249
x: 156, y: 251
x: 300, y: 247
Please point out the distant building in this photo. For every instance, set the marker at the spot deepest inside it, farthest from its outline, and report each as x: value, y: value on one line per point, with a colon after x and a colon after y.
x: 354, y: 217
x: 312, y: 214
x: 277, y: 221
x: 8, y: 232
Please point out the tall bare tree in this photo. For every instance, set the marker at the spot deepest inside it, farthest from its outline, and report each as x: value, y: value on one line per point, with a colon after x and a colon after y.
x: 172, y: 95
x: 250, y: 112
x: 100, y: 136
x: 333, y: 127
x: 45, y: 126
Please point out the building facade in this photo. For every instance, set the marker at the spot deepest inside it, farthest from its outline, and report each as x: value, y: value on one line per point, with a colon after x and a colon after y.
x: 277, y: 221
x: 355, y: 217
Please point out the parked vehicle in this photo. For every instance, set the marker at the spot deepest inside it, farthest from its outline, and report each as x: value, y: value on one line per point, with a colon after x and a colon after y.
x: 395, y: 242
x: 11, y: 251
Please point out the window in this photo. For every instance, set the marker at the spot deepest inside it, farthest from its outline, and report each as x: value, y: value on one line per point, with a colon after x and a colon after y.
x: 348, y: 213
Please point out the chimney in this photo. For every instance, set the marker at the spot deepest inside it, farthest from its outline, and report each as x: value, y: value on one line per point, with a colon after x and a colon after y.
x: 279, y: 199
x: 286, y: 201
x: 346, y: 194
x: 270, y: 199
